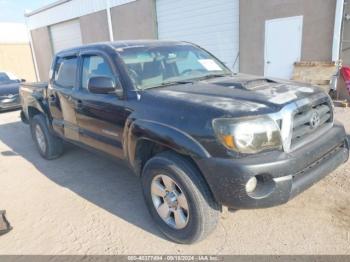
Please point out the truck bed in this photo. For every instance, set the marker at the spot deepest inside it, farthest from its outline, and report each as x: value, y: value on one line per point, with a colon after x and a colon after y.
x: 34, y: 85
x: 38, y: 88
x: 30, y: 93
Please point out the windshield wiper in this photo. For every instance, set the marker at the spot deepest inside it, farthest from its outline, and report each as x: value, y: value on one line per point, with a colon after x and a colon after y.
x: 180, y: 82
x: 211, y: 76
x: 170, y: 83
x: 191, y: 81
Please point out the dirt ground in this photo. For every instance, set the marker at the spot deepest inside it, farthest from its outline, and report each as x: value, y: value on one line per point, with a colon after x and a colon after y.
x: 84, y: 203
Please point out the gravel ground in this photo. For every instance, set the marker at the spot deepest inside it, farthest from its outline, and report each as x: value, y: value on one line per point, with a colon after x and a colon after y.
x: 84, y: 203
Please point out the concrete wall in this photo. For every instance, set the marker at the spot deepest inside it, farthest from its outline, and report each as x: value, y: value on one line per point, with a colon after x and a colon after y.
x: 43, y: 51
x: 136, y: 20
x: 94, y: 27
x: 17, y: 59
x: 317, y: 29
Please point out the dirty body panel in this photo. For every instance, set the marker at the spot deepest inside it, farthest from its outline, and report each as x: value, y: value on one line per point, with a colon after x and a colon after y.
x: 282, y: 174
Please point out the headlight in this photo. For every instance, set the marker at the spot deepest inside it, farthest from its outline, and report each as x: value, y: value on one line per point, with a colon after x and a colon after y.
x: 249, y: 135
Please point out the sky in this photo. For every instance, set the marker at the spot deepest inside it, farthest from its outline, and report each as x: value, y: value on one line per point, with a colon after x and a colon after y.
x: 13, y: 10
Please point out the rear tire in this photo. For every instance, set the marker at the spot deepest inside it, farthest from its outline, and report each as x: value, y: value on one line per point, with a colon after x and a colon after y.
x: 190, y: 197
x: 49, y: 145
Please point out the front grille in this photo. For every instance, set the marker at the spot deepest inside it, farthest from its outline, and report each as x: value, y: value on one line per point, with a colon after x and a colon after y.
x: 309, y: 120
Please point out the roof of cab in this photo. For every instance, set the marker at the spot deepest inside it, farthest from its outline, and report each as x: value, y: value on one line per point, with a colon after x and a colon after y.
x: 122, y: 44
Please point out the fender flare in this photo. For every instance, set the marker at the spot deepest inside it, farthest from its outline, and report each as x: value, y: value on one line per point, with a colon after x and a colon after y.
x: 37, y: 101
x: 161, y: 134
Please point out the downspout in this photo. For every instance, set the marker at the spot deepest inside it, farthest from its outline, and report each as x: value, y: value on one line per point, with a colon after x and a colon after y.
x: 36, y: 70
x: 109, y: 20
x: 339, y: 11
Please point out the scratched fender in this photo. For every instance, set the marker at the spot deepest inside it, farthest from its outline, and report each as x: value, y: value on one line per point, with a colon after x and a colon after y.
x: 33, y: 98
x: 164, y: 135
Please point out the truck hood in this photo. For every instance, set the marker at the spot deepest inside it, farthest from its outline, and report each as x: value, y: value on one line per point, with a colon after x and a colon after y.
x: 9, y: 89
x: 240, y: 93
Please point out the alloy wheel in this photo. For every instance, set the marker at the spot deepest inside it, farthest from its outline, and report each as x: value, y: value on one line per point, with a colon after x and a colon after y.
x: 170, y: 201
x: 40, y: 138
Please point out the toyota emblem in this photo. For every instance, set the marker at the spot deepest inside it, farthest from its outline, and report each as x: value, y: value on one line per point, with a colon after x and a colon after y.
x: 315, y: 120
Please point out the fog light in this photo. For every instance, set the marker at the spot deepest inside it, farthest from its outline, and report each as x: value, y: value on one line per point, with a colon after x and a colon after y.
x: 251, y: 185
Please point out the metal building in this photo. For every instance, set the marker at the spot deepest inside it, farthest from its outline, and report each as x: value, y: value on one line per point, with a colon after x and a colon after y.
x: 250, y: 36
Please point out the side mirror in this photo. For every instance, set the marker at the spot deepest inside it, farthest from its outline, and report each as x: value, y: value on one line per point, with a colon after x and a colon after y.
x: 23, y: 80
x: 101, y: 85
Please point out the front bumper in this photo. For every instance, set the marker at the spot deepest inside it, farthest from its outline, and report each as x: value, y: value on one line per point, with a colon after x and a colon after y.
x: 281, y: 175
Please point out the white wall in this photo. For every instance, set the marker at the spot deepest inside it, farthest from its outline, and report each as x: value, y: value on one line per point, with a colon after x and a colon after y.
x: 13, y: 33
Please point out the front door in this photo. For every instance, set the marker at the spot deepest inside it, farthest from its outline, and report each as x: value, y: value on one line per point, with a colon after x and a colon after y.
x: 101, y: 117
x: 283, y: 40
x: 60, y: 97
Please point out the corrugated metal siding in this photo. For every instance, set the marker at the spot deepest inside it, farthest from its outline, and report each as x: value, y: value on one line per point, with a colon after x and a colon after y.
x: 65, y: 35
x: 70, y: 10
x: 214, y: 25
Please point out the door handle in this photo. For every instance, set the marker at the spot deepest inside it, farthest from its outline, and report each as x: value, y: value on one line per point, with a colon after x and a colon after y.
x: 78, y: 104
x: 52, y: 98
x: 268, y: 62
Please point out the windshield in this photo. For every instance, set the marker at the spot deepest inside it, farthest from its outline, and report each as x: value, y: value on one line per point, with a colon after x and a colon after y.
x: 150, y: 67
x: 7, y: 78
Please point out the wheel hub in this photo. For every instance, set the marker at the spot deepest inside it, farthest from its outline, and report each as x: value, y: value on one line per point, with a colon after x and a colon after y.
x: 170, y: 201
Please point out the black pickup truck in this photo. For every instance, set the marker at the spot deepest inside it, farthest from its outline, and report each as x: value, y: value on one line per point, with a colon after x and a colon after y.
x: 198, y: 136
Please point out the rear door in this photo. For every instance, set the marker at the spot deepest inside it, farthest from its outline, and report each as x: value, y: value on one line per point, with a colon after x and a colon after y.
x: 101, y: 117
x: 62, y: 88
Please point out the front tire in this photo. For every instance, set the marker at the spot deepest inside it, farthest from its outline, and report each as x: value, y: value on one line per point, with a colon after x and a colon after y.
x: 49, y: 145
x: 178, y: 198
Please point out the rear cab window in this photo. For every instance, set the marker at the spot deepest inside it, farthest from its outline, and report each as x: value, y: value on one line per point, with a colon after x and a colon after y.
x: 66, y: 71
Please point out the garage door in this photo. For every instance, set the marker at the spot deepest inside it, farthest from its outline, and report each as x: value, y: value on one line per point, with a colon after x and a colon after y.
x: 65, y: 35
x: 214, y: 25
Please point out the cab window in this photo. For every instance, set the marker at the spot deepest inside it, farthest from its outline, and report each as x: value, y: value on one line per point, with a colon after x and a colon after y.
x: 94, y: 66
x: 65, y: 72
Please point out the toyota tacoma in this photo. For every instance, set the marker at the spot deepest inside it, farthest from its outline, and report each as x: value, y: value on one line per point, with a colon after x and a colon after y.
x: 199, y: 137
